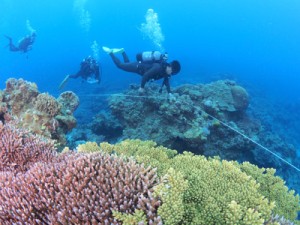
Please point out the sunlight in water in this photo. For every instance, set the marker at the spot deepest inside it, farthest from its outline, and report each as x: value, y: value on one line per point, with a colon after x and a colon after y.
x: 151, y: 29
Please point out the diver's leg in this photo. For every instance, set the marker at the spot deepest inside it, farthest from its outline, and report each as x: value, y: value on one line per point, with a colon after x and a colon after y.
x: 129, y: 67
x: 125, y: 57
x: 12, y: 47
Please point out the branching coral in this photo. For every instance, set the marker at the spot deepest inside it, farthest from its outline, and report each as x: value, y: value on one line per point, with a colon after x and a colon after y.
x: 273, y: 187
x: 19, y: 149
x: 88, y: 147
x: 78, y: 189
x: 218, y: 191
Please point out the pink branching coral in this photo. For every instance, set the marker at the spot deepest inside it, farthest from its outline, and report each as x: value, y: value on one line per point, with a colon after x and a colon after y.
x: 78, y: 189
x: 20, y: 149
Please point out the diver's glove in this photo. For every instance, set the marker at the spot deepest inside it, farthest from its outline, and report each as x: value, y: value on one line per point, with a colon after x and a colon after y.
x: 141, y: 90
x: 171, y: 97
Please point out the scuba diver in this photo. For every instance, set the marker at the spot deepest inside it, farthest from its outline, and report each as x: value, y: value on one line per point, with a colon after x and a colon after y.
x: 150, y: 65
x: 24, y: 45
x: 89, y: 71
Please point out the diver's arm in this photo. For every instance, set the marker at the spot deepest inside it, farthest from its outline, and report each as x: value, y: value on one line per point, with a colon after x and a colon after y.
x: 166, y: 82
x: 154, y: 70
x: 97, y: 73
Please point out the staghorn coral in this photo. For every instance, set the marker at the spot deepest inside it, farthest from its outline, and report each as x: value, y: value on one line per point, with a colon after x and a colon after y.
x: 19, y: 149
x: 78, y: 189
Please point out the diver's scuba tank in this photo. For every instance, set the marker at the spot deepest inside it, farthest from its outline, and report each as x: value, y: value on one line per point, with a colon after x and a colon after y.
x: 151, y: 56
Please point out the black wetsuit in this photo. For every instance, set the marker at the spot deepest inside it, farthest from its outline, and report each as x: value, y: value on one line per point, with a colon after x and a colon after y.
x: 148, y: 70
x: 24, y: 45
x: 87, y: 68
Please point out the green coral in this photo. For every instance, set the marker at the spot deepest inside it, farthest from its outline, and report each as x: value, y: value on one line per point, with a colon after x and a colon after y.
x: 88, y: 147
x: 274, y: 188
x: 213, y: 185
x: 212, y: 191
x: 146, y: 152
x: 128, y: 219
x: 171, y: 191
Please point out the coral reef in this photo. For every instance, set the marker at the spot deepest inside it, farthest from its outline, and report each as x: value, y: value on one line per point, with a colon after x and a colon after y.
x: 183, y: 123
x: 117, y: 184
x: 194, y: 121
x: 39, y: 112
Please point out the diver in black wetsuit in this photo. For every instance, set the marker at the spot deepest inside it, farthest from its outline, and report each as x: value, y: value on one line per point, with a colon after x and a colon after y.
x: 149, y: 70
x: 24, y: 45
x: 89, y: 71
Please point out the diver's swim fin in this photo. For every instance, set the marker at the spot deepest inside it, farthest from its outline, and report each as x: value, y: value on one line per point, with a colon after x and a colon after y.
x: 64, y: 82
x: 107, y: 50
x: 9, y: 38
x: 117, y: 50
x: 112, y: 50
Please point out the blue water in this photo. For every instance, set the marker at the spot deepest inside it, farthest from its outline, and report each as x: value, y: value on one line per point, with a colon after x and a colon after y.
x: 254, y: 42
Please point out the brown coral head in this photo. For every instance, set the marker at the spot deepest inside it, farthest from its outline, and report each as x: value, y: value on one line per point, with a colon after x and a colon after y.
x: 69, y: 101
x: 240, y: 97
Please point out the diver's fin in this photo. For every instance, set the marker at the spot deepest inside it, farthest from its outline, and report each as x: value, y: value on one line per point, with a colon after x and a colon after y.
x: 64, y: 82
x: 117, y: 50
x: 112, y: 50
x: 9, y: 38
x: 107, y: 50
